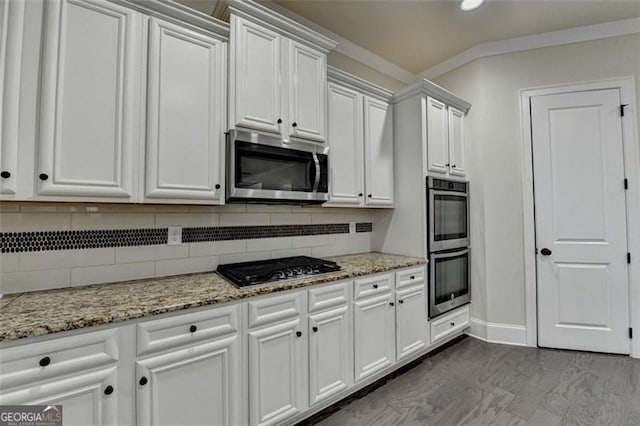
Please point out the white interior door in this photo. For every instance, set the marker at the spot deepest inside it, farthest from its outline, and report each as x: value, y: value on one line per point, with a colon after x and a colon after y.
x: 583, y: 284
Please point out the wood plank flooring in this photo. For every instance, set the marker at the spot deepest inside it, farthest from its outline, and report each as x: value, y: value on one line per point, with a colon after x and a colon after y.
x: 478, y: 383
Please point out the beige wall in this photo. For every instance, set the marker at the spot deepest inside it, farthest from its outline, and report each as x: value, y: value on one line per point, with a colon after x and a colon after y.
x: 352, y: 66
x: 492, y: 85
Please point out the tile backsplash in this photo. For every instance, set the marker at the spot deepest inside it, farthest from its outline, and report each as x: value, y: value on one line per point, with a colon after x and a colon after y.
x: 123, y: 242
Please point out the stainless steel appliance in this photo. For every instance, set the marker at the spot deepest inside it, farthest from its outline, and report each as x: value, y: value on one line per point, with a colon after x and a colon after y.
x: 246, y: 274
x: 448, y: 243
x: 266, y: 169
x: 449, y: 280
x: 448, y: 211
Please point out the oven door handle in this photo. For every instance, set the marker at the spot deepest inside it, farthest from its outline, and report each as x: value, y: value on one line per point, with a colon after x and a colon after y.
x: 465, y: 250
x: 316, y: 182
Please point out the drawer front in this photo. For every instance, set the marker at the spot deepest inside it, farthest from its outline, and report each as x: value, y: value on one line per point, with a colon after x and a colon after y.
x: 450, y: 323
x: 372, y: 286
x: 410, y: 277
x: 329, y: 296
x: 274, y: 309
x: 167, y: 333
x: 61, y: 356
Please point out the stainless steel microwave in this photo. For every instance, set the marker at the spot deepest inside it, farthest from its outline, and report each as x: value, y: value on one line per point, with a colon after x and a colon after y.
x: 448, y: 214
x: 266, y: 169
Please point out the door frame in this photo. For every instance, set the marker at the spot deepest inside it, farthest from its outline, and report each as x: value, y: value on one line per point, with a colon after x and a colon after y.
x: 631, y: 149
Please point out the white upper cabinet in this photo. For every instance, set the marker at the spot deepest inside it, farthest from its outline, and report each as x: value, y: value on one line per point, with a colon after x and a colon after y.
x: 378, y: 137
x: 360, y: 138
x: 185, y: 112
x: 437, y: 137
x: 308, y: 92
x: 90, y: 100
x: 445, y: 139
x: 346, y: 142
x: 255, y: 92
x: 278, y: 74
x: 11, y: 34
x: 456, y: 143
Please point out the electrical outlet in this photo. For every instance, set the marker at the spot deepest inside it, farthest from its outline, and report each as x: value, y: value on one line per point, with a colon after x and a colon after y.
x: 352, y: 227
x: 174, y: 236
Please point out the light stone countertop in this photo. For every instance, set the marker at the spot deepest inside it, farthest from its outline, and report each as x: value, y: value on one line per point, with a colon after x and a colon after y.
x: 44, y: 312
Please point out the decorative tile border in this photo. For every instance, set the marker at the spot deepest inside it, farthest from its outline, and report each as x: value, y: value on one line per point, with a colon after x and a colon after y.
x: 18, y: 242
x: 364, y: 227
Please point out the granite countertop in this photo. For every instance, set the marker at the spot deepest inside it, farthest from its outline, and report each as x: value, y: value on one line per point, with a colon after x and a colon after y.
x: 50, y: 311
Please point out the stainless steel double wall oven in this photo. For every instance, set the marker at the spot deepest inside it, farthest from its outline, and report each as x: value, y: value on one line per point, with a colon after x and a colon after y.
x: 448, y: 244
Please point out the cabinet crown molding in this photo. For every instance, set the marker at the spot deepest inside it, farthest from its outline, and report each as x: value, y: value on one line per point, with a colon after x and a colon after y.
x: 425, y: 87
x: 258, y: 13
x: 179, y: 13
x: 339, y: 76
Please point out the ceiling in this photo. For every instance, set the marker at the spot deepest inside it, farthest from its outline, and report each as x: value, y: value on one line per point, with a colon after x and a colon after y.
x: 418, y: 34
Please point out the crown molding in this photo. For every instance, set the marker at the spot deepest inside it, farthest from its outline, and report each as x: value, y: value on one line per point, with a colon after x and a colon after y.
x: 256, y: 11
x: 176, y: 12
x: 336, y: 75
x: 536, y: 41
x: 348, y: 48
x: 428, y: 88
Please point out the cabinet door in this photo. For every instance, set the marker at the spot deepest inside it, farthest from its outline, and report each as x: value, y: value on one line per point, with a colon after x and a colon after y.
x: 330, y: 359
x: 277, y: 373
x: 192, y: 386
x: 186, y: 101
x: 437, y: 137
x: 255, y: 85
x: 308, y: 93
x: 87, y: 398
x: 456, y: 142
x: 374, y: 335
x: 346, y: 146
x: 378, y: 139
x: 411, y: 321
x: 90, y: 100
x: 11, y: 32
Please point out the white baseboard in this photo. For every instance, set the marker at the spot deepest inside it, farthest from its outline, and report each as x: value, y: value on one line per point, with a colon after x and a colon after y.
x: 492, y: 332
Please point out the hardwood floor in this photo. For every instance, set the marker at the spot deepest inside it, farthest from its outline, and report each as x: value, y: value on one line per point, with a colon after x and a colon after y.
x: 478, y: 383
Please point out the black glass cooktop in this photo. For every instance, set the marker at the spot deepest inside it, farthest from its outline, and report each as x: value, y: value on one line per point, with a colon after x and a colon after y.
x: 265, y: 271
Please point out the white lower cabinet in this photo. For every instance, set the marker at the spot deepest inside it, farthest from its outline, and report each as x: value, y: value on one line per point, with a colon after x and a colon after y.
x: 193, y: 373
x: 277, y: 359
x: 450, y: 323
x: 190, y: 386
x: 330, y: 364
x: 411, y: 332
x: 374, y: 331
x: 79, y: 372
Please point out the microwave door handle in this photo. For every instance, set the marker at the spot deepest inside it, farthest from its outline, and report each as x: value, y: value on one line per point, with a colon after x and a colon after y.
x: 316, y: 183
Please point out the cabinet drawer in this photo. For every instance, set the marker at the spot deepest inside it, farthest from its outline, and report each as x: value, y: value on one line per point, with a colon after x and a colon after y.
x: 371, y: 286
x: 329, y: 296
x: 450, y: 323
x: 36, y: 362
x: 166, y: 333
x: 409, y: 277
x: 273, y: 309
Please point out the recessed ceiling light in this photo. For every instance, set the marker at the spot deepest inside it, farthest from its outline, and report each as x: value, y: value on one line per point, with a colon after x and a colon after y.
x: 470, y: 4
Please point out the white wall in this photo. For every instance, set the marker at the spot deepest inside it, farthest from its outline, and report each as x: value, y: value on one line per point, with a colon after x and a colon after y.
x: 492, y: 85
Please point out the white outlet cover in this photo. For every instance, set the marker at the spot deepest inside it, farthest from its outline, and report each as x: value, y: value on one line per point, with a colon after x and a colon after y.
x: 174, y: 236
x: 352, y: 227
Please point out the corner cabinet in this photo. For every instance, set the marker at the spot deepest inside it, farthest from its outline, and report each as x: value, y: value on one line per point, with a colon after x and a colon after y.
x: 360, y: 138
x: 185, y: 115
x: 278, y: 74
x: 90, y: 100
x: 445, y: 139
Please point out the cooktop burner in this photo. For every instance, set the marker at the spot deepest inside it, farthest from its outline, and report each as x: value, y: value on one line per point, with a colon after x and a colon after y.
x: 246, y: 274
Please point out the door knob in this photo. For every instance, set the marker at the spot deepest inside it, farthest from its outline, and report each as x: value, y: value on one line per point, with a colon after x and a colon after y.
x: 545, y: 252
